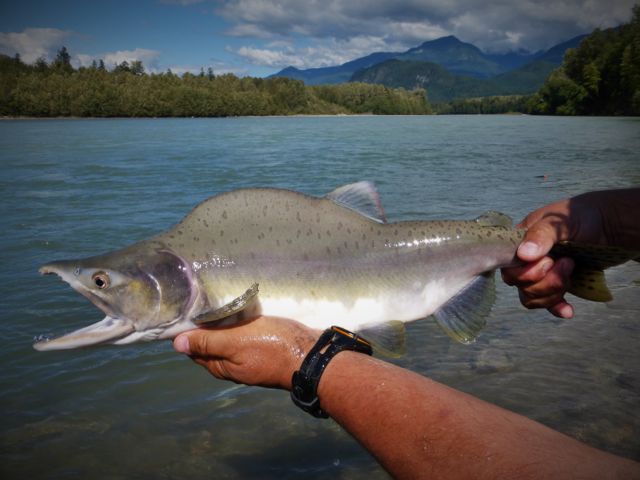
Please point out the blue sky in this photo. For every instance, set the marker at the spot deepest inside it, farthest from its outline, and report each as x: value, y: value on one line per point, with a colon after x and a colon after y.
x: 260, y: 37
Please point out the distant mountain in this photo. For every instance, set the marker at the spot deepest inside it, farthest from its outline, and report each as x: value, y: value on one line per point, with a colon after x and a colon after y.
x: 456, y: 56
x: 339, y: 74
x: 499, y: 74
x: 443, y: 85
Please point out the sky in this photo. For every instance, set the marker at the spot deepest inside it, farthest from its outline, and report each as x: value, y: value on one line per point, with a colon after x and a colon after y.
x: 260, y: 37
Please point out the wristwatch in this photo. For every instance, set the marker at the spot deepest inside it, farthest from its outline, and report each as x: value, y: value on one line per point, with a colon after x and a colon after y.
x: 304, y: 383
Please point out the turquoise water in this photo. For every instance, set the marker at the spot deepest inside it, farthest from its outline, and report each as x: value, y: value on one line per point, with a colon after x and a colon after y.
x: 73, y: 188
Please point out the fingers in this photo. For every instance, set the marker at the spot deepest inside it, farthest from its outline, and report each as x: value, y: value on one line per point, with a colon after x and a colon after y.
x: 543, y: 284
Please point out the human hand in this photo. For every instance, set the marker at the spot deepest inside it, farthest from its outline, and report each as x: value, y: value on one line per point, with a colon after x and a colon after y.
x: 264, y: 351
x: 542, y: 281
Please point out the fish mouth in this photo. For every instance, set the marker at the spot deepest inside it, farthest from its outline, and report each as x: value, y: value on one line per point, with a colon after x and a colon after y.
x: 106, y: 330
x: 109, y: 329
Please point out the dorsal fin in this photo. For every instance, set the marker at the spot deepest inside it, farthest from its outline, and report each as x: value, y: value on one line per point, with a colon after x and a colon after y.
x: 361, y: 197
x: 494, y: 219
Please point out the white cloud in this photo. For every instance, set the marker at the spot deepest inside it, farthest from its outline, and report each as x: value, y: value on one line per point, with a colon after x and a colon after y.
x: 33, y: 43
x: 493, y: 25
x: 323, y: 53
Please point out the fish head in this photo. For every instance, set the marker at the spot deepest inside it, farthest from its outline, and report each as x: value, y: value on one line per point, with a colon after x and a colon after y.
x: 141, y: 292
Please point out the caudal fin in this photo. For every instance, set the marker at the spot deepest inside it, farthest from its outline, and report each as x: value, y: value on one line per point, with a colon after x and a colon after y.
x: 588, y: 280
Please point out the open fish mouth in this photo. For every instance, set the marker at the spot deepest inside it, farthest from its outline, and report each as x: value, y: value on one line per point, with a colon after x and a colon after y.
x: 106, y: 330
x: 109, y: 329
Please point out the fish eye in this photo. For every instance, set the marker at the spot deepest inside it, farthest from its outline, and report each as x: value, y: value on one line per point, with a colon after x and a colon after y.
x: 101, y: 280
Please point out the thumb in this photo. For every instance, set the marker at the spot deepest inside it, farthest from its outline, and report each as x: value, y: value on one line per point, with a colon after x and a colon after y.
x: 199, y: 343
x: 537, y: 242
x: 181, y: 344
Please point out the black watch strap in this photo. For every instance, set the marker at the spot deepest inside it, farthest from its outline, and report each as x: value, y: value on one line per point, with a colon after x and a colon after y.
x: 304, y: 383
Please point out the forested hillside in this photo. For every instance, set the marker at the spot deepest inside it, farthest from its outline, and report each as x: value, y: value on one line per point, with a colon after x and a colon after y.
x: 600, y: 77
x: 57, y: 89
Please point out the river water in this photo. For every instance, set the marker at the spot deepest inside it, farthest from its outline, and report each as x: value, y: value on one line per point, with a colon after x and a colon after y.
x: 71, y: 188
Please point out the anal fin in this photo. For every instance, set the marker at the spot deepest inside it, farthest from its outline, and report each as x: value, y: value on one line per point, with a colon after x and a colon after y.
x: 464, y: 315
x: 236, y: 305
x: 387, y: 338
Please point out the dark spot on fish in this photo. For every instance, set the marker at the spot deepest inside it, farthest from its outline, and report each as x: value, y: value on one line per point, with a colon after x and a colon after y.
x: 298, y: 216
x: 349, y: 231
x: 489, y: 233
x: 339, y: 225
x: 357, y: 245
x: 205, y: 223
x: 458, y: 231
x: 222, y: 233
x: 346, y: 245
x: 328, y: 251
x: 278, y: 242
x: 328, y: 233
x: 224, y: 214
x: 319, y: 236
x: 270, y: 229
x: 213, y: 242
x: 298, y: 233
x: 379, y: 232
x: 309, y: 232
x: 179, y: 232
x: 395, y: 232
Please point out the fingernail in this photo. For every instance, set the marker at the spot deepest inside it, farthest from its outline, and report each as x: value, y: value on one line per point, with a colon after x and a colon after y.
x: 528, y: 249
x: 566, y: 311
x: 181, y: 344
x: 546, y: 266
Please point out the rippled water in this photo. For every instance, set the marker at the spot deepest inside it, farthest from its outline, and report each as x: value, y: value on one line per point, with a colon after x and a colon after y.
x: 72, y: 188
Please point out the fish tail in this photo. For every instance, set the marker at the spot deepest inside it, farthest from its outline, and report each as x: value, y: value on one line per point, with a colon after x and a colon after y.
x: 588, y: 280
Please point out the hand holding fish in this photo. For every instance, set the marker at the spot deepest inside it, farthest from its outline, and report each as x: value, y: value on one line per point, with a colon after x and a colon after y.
x: 608, y: 218
x: 263, y: 352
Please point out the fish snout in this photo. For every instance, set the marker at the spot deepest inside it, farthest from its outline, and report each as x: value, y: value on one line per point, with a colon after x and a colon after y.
x: 67, y: 270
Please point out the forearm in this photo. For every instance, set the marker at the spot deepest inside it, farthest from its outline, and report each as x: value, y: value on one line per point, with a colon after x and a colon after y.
x: 416, y: 427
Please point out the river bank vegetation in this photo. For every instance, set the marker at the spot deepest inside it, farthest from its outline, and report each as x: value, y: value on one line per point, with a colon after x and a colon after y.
x: 600, y: 77
x: 59, y: 90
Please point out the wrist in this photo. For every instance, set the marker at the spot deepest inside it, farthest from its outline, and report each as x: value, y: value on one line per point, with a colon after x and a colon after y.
x: 299, y: 349
x: 305, y: 381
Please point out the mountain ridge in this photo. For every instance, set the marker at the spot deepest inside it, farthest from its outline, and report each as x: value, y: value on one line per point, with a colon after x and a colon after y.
x: 502, y: 74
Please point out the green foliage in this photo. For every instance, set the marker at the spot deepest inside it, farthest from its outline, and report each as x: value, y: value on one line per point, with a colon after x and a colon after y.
x: 58, y: 89
x: 485, y: 105
x: 600, y: 77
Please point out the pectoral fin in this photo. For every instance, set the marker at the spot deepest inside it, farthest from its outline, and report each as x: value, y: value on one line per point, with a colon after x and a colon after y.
x: 236, y: 305
x: 464, y: 315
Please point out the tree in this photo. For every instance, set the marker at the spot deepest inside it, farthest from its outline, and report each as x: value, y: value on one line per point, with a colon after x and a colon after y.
x: 63, y: 61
